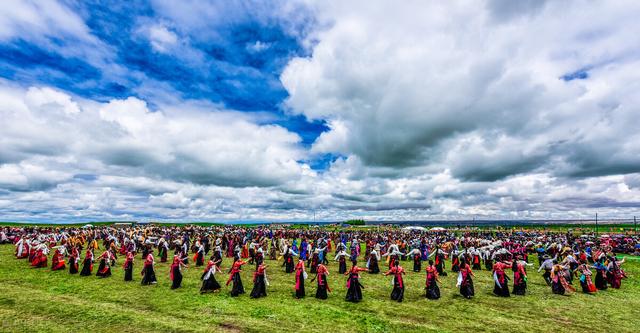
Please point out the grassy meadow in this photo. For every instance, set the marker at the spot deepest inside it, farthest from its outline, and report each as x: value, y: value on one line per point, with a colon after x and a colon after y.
x: 38, y: 300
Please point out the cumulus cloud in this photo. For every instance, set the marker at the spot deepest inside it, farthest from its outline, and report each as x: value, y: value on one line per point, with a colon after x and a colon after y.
x: 456, y: 86
x: 182, y: 143
x: 435, y: 110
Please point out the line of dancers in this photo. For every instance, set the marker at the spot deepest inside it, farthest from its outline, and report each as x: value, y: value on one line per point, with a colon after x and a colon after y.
x: 561, y: 257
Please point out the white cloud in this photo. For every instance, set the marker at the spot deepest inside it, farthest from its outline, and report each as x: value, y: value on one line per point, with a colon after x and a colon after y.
x: 162, y: 38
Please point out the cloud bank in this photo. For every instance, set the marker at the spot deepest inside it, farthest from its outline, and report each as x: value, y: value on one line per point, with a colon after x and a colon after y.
x: 419, y: 110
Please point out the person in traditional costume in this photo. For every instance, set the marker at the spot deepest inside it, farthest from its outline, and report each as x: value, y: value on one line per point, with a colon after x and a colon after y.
x: 234, y: 275
x: 315, y: 260
x: 148, y: 272
x: 438, y: 255
x: 209, y: 282
x: 259, y: 282
x: 455, y: 261
x: 87, y: 263
x: 584, y: 275
x: 615, y: 274
x: 104, y: 269
x: 547, y: 266
x: 559, y: 284
x: 175, y: 272
x: 21, y: 249
x: 273, y: 249
x: 163, y: 249
x: 288, y: 255
x: 465, y: 281
x: 128, y: 267
x: 397, y: 294
x: 475, y: 259
x: 354, y: 287
x: 341, y: 257
x: 372, y: 263
x: 57, y: 261
x: 431, y: 287
x: 323, y: 283
x: 301, y: 275
x: 40, y: 258
x: 198, y: 258
x: 501, y: 286
x: 519, y: 276
x: 74, y: 259
x: 601, y: 273
x: 416, y: 255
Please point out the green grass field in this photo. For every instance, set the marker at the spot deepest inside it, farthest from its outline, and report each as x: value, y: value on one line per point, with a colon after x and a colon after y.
x: 37, y: 300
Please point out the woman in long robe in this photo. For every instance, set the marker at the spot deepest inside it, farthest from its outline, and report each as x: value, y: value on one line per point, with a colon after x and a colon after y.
x: 104, y: 269
x: 57, y: 261
x: 300, y: 276
x: 87, y: 263
x: 259, y: 282
x: 584, y: 274
x: 234, y: 275
x: 148, y: 272
x: 323, y: 283
x: 432, y: 290
x: 519, y: 277
x: 397, y: 294
x: 74, y: 258
x: 209, y: 282
x: 500, y: 279
x: 128, y: 267
x: 465, y: 281
x: 354, y: 287
x: 175, y: 272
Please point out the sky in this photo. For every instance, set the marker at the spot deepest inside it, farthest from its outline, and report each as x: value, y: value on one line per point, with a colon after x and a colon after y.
x: 294, y: 110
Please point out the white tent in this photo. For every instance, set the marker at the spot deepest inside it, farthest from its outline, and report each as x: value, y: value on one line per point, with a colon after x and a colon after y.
x: 88, y: 226
x: 414, y: 228
x: 438, y: 229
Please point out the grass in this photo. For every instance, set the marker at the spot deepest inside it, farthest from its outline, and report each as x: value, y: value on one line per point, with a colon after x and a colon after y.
x: 40, y: 300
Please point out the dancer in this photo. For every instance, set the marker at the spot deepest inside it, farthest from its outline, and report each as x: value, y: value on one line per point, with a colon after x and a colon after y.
x: 615, y: 274
x: 432, y: 290
x: 175, y: 272
x: 354, y: 288
x: 301, y: 275
x: 209, y: 282
x: 57, y: 261
x: 234, y: 275
x: 501, y: 286
x: 601, y: 273
x: 519, y: 276
x: 148, y: 273
x: 87, y: 263
x: 259, y: 282
x: 465, y: 281
x: 372, y: 264
x: 128, y: 267
x: 547, y: 265
x: 341, y: 257
x: 584, y: 274
x: 559, y: 284
x: 74, y: 258
x: 416, y: 255
x: 397, y: 294
x: 323, y: 283
x: 104, y: 269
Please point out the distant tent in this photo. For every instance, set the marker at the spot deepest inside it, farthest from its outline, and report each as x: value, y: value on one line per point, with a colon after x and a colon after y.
x: 414, y: 228
x: 438, y: 229
x: 88, y: 226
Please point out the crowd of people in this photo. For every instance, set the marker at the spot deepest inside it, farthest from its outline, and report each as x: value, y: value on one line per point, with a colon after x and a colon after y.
x: 561, y: 258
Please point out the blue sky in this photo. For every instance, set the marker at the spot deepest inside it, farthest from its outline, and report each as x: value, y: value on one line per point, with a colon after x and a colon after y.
x: 282, y: 110
x: 239, y: 67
